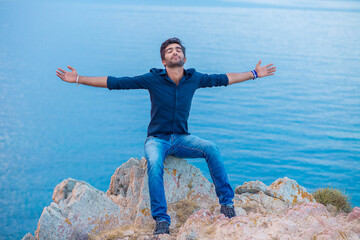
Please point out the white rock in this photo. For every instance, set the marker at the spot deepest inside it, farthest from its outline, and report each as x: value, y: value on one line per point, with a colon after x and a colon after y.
x: 80, y: 209
x: 129, y: 188
x: 260, y: 203
x: 128, y: 233
x: 28, y: 236
x: 251, y: 187
x: 289, y: 191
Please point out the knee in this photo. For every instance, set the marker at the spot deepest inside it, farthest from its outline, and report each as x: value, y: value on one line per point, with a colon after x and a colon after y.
x: 211, y: 148
x: 154, y: 164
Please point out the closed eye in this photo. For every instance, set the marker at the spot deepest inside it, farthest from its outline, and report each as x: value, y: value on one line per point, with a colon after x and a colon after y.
x: 178, y: 49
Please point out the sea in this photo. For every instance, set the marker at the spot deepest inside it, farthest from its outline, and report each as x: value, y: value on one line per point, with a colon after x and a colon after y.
x: 302, y: 123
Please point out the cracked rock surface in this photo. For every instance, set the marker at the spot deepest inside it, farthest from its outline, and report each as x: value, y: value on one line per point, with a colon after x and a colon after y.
x: 282, y: 210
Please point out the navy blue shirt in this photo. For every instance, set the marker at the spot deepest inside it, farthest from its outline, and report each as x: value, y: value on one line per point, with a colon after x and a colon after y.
x: 170, y: 104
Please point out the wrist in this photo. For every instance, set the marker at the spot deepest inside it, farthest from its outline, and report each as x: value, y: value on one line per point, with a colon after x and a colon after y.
x: 255, y: 75
x: 77, y: 80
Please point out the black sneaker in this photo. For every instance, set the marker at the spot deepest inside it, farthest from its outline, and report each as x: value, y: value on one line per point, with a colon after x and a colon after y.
x: 162, y: 227
x: 228, y: 211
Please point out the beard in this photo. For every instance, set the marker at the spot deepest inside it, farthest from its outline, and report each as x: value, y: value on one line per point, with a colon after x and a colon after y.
x: 175, y: 63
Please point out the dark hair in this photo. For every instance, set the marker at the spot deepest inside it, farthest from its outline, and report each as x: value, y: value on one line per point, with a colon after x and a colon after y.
x: 167, y: 43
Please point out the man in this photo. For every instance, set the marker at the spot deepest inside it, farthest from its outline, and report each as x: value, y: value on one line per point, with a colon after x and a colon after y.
x: 171, y: 91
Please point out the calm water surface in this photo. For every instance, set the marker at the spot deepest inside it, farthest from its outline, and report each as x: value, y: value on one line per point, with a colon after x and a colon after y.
x: 303, y: 123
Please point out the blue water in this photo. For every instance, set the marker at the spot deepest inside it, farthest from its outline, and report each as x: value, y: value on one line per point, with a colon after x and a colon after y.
x: 303, y: 123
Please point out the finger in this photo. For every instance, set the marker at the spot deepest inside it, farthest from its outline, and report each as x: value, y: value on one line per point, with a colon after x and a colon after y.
x: 59, y: 72
x: 71, y: 68
x: 269, y: 65
x: 62, y: 70
x: 259, y: 63
x: 59, y: 76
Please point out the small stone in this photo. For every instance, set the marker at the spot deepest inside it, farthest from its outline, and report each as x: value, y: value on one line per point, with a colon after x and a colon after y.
x: 143, y: 237
x: 251, y: 187
x: 128, y: 233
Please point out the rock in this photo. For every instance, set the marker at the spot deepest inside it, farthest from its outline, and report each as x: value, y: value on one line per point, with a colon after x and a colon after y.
x: 304, y: 221
x: 128, y: 233
x: 354, y: 214
x: 289, y: 191
x: 78, y: 209
x: 251, y: 187
x: 255, y: 196
x: 284, y: 189
x: 28, y: 236
x: 351, y: 222
x: 129, y: 188
x: 260, y: 203
x: 283, y: 210
x: 331, y: 209
x: 64, y: 189
x: 143, y: 238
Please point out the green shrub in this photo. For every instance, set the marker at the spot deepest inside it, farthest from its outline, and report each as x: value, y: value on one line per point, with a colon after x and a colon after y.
x: 333, y: 196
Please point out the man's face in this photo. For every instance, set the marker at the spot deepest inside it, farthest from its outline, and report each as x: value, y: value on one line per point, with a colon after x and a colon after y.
x: 174, y: 56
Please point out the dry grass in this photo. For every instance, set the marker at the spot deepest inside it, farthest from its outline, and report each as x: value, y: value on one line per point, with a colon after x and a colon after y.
x: 184, y: 208
x: 213, y: 207
x: 119, y: 232
x: 333, y: 196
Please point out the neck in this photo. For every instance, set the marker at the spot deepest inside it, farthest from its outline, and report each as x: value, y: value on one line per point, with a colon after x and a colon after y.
x: 175, y: 73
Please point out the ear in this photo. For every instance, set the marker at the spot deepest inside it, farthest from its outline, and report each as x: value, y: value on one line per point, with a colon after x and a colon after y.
x: 184, y: 60
x: 163, y: 62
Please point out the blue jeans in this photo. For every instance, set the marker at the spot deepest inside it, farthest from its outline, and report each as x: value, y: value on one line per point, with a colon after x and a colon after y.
x: 182, y: 146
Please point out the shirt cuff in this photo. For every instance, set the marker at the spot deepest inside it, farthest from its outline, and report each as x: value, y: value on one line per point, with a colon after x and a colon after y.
x: 110, y: 82
x: 226, y: 81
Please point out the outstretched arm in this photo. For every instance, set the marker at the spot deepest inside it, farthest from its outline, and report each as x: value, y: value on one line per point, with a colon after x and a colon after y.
x: 72, y: 76
x: 262, y: 71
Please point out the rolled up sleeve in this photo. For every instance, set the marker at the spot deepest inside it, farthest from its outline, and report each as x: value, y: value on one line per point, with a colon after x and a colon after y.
x: 213, y: 80
x: 126, y: 83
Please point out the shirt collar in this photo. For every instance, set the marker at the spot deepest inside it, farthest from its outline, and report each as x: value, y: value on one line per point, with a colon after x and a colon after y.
x: 187, y: 72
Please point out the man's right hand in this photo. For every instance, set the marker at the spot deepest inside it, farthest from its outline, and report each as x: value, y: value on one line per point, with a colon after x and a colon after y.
x: 67, y: 76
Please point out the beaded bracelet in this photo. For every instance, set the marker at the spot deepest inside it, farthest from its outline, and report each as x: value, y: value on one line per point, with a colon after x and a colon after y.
x: 255, y: 74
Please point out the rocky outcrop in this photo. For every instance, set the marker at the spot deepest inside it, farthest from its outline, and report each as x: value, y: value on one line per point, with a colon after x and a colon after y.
x: 29, y: 236
x: 282, y: 210
x: 78, y: 209
x: 285, y: 189
x: 129, y: 188
x: 255, y: 196
x: 304, y: 221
